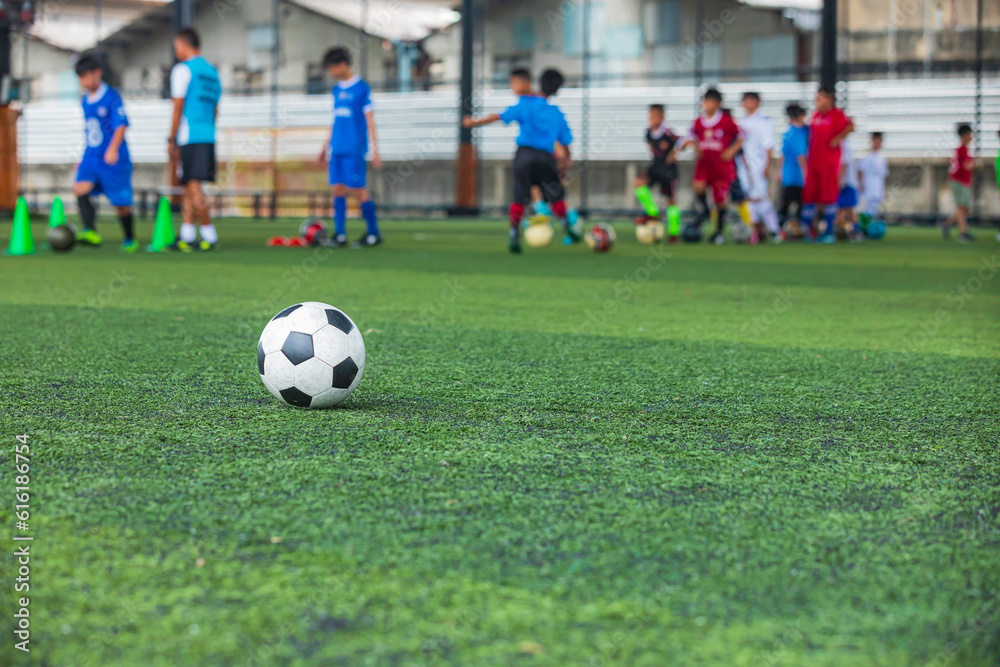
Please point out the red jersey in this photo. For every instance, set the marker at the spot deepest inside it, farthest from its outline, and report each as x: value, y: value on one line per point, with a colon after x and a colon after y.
x: 957, y: 170
x: 823, y: 127
x: 715, y: 134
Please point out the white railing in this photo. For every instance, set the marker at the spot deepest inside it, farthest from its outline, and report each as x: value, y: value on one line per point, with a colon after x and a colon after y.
x: 918, y: 117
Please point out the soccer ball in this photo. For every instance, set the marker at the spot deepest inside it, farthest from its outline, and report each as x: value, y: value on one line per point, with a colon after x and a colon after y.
x: 313, y: 231
x: 601, y: 237
x: 538, y: 234
x: 61, y: 238
x: 741, y: 233
x: 311, y: 355
x: 875, y: 230
x: 649, y: 233
x: 691, y: 233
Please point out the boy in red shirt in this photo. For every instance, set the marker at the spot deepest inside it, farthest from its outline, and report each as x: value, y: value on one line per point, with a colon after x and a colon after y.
x: 718, y: 138
x: 960, y: 180
x: 828, y: 127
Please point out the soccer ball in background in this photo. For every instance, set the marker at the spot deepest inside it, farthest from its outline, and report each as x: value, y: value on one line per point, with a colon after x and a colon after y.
x: 649, y: 233
x: 601, y: 237
x: 741, y: 232
x: 692, y: 233
x: 538, y: 233
x: 313, y: 231
x: 61, y: 238
x: 311, y: 355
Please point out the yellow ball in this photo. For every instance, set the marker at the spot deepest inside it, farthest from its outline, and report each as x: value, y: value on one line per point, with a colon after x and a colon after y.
x: 537, y: 236
x: 649, y: 233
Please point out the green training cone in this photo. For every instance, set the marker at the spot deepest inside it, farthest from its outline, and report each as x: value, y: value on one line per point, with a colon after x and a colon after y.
x: 57, y: 216
x: 21, y: 242
x: 163, y: 229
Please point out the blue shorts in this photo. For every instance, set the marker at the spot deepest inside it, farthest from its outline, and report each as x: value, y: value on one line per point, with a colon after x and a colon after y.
x: 848, y: 197
x: 115, y: 182
x: 349, y: 170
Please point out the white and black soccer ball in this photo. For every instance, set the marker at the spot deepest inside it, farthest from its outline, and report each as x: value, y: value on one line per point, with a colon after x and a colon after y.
x: 311, y: 355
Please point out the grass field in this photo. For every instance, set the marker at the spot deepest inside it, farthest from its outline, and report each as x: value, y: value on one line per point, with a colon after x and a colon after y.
x: 688, y: 455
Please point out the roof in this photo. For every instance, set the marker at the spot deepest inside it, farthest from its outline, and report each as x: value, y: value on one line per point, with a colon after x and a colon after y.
x: 73, y: 26
x: 397, y: 20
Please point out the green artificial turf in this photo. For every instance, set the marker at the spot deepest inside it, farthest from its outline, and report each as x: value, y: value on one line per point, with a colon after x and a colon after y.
x: 687, y: 455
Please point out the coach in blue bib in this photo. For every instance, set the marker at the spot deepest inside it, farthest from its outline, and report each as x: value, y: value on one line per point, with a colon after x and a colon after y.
x: 195, y: 89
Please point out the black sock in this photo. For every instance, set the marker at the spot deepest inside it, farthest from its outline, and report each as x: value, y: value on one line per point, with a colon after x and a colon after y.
x: 128, y: 226
x: 86, y: 211
x: 720, y: 221
x: 701, y: 207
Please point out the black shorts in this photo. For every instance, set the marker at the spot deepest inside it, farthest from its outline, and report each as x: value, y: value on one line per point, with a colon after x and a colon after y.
x: 535, y: 167
x: 790, y: 194
x: 197, y: 163
x: 664, y: 175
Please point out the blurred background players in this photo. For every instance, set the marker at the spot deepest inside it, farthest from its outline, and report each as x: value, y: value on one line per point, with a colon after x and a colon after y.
x: 755, y: 167
x: 847, y: 201
x: 960, y: 181
x: 717, y: 139
x: 195, y: 89
x: 347, y: 146
x: 661, y: 171
x: 106, y: 167
x: 828, y: 128
x: 873, y: 169
x: 794, y: 147
x: 543, y: 127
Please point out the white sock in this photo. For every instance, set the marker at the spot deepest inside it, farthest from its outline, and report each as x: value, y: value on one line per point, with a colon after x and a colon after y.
x: 188, y: 232
x: 209, y: 234
x: 769, y: 216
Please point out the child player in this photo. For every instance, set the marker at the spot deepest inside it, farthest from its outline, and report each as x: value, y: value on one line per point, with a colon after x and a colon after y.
x: 718, y: 139
x: 828, y: 127
x: 873, y: 169
x: 543, y: 126
x: 758, y: 147
x: 794, y: 146
x: 345, y: 150
x: 105, y: 167
x: 847, y: 200
x: 960, y: 181
x: 661, y: 171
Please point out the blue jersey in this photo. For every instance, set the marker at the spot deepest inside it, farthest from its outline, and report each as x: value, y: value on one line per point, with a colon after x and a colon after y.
x: 542, y: 124
x: 794, y: 145
x: 103, y: 113
x: 197, y: 82
x: 352, y: 99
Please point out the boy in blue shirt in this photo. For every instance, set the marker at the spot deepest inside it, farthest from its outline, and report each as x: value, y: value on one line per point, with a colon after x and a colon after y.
x: 195, y: 89
x: 353, y: 124
x: 106, y: 166
x: 543, y: 141
x: 794, y: 147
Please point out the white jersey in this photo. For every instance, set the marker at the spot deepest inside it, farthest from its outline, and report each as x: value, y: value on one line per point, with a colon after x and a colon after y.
x: 874, y: 169
x: 758, y: 139
x: 847, y: 162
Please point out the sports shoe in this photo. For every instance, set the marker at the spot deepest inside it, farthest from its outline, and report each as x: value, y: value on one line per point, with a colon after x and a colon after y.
x: 89, y: 237
x: 182, y: 246
x: 827, y: 238
x: 965, y: 238
x: 206, y: 246
x: 515, y: 241
x: 780, y: 237
x: 754, y: 237
x: 673, y: 239
x: 129, y: 246
x: 367, y: 241
x: 571, y: 234
x: 335, y: 242
x: 644, y: 218
x: 718, y: 238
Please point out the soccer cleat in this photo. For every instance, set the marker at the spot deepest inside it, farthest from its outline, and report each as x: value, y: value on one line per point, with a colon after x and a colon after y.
x: 571, y: 234
x: 515, y: 246
x: 335, y: 242
x: 965, y: 238
x: 718, y: 238
x: 182, y: 246
x: 827, y: 238
x: 206, y: 246
x: 89, y: 237
x: 367, y: 241
x: 129, y: 246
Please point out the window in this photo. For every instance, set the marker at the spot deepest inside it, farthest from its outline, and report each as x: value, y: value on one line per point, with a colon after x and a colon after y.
x: 773, y: 53
x: 663, y: 22
x: 260, y: 44
x: 624, y: 41
x: 573, y: 28
x: 523, y: 34
x: 316, y: 79
x: 247, y: 80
